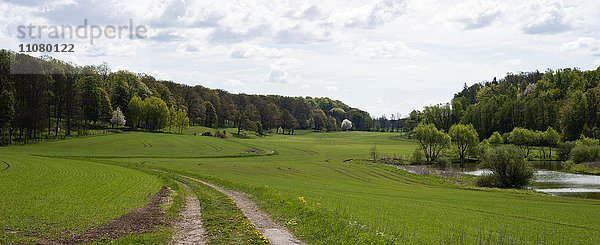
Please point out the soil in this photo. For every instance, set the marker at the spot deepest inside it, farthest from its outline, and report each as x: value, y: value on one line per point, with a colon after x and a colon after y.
x: 251, y: 151
x: 595, y: 164
x: 189, y: 229
x: 275, y: 233
x: 139, y: 221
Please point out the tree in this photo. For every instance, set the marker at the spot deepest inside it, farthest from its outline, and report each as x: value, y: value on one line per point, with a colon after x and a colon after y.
x: 179, y: 120
x: 118, y: 118
x: 210, y: 119
x: 346, y: 124
x: 319, y: 119
x: 337, y: 113
x: 508, y: 166
x: 252, y: 113
x: 269, y: 116
x: 551, y: 139
x: 105, y: 109
x: 288, y: 122
x: 431, y: 140
x: 465, y: 138
x: 7, y: 111
x: 331, y: 124
x: 196, y: 111
x: 90, y: 98
x: 156, y: 113
x: 496, y: 139
x: 136, y: 111
x: 524, y: 138
x: 439, y: 115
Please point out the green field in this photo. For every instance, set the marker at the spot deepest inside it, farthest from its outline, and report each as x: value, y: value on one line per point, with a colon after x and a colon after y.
x: 345, y: 201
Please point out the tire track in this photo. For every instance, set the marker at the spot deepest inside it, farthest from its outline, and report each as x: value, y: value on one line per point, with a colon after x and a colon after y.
x: 7, y: 166
x: 275, y: 233
x: 189, y: 228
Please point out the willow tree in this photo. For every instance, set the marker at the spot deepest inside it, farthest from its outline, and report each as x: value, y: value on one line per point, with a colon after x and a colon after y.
x: 431, y: 140
x: 465, y: 138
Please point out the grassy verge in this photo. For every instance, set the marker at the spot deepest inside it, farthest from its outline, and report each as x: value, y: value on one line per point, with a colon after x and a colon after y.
x: 584, y: 169
x: 223, y: 221
x: 307, y: 220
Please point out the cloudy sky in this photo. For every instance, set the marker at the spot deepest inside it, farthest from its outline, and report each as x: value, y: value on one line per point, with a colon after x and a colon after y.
x: 383, y: 56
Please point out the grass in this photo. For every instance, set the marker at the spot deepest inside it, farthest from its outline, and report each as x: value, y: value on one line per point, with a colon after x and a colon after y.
x: 48, y: 197
x: 584, y: 168
x: 223, y: 221
x: 308, y: 187
x: 398, y: 205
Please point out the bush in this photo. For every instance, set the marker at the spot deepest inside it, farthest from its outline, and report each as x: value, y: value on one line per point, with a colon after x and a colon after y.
x: 207, y: 133
x: 487, y: 180
x: 564, y: 150
x: 509, y: 168
x: 585, y: 153
x: 221, y: 135
x: 417, y: 156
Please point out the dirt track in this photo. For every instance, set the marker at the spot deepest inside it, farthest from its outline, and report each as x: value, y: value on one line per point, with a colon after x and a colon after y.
x: 189, y: 229
x: 275, y: 233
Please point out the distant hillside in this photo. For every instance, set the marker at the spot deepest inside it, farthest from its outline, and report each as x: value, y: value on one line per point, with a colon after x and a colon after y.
x: 566, y: 99
x: 55, y: 99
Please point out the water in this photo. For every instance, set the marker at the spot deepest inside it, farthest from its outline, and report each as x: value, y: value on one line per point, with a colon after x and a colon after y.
x: 551, y: 179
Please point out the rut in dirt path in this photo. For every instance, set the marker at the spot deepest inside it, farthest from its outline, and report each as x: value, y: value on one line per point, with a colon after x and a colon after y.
x: 275, y: 233
x: 189, y: 228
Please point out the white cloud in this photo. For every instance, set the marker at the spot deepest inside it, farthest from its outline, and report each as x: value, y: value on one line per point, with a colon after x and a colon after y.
x: 114, y: 48
x: 512, y: 62
x: 239, y: 51
x: 287, y: 63
x: 159, y: 75
x: 378, y: 14
x: 384, y: 49
x: 277, y: 76
x: 235, y: 84
x: 332, y: 88
x: 547, y: 17
x: 409, y: 68
x: 585, y: 44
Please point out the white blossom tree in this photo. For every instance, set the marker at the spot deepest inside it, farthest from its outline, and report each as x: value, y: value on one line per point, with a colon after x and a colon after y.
x: 118, y: 118
x: 346, y: 124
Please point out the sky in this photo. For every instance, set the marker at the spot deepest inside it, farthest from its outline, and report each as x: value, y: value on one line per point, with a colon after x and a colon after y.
x: 384, y: 56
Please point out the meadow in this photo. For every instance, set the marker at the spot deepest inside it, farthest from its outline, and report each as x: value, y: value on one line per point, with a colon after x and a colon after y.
x: 309, y: 184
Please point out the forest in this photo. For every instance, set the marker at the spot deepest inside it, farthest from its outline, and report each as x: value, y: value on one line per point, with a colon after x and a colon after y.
x: 567, y: 100
x: 47, y: 98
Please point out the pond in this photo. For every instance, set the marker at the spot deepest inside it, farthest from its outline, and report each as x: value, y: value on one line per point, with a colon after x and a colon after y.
x: 550, y: 178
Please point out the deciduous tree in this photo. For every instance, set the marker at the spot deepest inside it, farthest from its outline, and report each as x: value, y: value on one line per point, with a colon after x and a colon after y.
x: 465, y: 138
x: 431, y: 140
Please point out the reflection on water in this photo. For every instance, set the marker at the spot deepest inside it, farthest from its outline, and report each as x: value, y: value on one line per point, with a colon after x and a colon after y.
x: 550, y: 179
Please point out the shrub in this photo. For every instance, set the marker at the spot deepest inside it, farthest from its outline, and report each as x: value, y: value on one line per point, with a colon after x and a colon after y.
x: 585, y: 153
x: 417, y: 156
x: 496, y: 139
x: 207, y: 133
x: 564, y: 150
x: 508, y: 166
x: 487, y: 180
x: 220, y: 135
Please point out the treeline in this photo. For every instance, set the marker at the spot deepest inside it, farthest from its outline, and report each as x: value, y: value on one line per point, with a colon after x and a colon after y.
x: 567, y: 100
x: 45, y: 97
